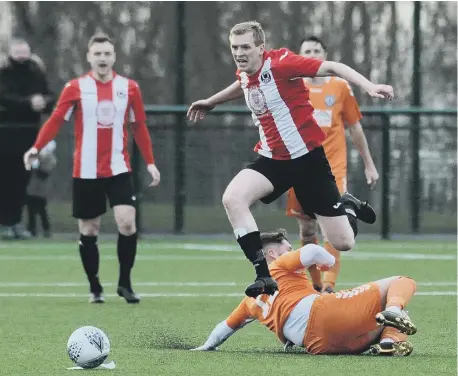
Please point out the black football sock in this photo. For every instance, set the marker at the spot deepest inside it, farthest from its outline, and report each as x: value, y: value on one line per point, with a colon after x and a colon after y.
x: 127, y: 250
x: 252, y: 247
x: 89, y: 253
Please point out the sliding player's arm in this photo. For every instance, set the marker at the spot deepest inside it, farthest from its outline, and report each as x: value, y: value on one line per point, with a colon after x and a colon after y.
x: 237, y: 320
x: 308, y: 255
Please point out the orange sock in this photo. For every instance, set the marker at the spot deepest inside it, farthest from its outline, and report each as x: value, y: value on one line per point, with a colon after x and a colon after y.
x: 330, y: 276
x: 400, y: 292
x: 315, y: 275
x: 393, y: 334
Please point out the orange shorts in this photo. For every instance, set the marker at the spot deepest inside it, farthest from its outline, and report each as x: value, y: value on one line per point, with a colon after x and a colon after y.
x: 294, y: 209
x: 339, y: 323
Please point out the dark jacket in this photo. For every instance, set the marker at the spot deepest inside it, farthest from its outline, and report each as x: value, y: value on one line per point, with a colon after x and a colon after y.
x: 19, y: 123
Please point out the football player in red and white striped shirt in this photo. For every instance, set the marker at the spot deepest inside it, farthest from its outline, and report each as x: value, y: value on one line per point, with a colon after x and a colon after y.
x: 290, y: 151
x: 104, y: 105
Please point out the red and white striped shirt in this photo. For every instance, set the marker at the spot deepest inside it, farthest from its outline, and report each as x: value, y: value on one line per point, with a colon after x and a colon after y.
x: 280, y: 105
x: 102, y: 112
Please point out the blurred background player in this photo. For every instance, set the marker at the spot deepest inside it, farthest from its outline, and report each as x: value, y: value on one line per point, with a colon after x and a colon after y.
x: 290, y: 144
x: 335, y: 108
x: 103, y: 104
x: 24, y: 96
x: 39, y: 188
x: 353, y: 321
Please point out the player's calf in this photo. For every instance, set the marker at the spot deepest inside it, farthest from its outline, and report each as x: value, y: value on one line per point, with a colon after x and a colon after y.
x: 338, y: 232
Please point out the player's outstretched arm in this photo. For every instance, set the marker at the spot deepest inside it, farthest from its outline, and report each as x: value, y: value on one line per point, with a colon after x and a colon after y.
x: 199, y: 109
x: 332, y: 68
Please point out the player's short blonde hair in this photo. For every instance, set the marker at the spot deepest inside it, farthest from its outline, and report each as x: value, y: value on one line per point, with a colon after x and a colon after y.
x: 99, y: 38
x: 253, y: 26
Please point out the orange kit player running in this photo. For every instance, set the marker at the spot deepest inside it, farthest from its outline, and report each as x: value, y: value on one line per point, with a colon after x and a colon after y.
x: 368, y: 317
x: 335, y: 107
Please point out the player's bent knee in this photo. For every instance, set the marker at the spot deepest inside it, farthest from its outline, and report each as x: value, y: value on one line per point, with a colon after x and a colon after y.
x: 343, y: 243
x: 411, y: 280
x: 232, y: 201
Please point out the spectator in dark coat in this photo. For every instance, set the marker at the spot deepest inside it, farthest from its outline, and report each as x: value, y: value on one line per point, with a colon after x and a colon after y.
x: 24, y: 96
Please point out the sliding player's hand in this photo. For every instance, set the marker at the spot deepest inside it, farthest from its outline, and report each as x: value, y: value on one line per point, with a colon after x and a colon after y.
x: 199, y: 109
x: 155, y: 174
x: 204, y: 348
x: 322, y: 267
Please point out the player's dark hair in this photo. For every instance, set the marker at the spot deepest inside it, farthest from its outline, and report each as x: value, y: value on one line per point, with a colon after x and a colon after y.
x: 99, y: 38
x: 313, y: 38
x: 276, y: 236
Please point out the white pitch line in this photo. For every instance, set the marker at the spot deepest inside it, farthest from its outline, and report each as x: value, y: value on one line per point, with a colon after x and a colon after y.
x: 185, y: 284
x: 219, y: 247
x: 174, y: 295
x: 350, y: 255
x: 233, y: 248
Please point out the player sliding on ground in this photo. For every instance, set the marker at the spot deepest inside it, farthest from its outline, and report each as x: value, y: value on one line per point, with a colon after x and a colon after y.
x: 368, y: 317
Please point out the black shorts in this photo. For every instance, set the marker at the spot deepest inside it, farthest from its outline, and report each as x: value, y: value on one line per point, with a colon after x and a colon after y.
x: 309, y: 175
x: 90, y: 195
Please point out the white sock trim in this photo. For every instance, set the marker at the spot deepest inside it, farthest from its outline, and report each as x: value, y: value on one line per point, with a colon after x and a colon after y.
x: 239, y: 232
x: 394, y: 309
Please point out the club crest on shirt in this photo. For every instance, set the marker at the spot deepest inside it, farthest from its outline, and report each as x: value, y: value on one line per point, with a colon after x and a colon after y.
x: 330, y: 100
x: 257, y: 101
x: 105, y: 114
x: 121, y: 94
x: 266, y: 77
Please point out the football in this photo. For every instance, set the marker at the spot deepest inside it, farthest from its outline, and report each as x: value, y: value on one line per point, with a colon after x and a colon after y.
x: 88, y: 347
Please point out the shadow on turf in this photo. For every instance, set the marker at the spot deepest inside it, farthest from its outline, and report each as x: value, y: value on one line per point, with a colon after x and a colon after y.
x: 161, y: 338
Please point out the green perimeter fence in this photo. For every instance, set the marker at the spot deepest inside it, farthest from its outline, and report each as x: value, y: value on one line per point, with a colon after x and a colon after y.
x: 414, y: 150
